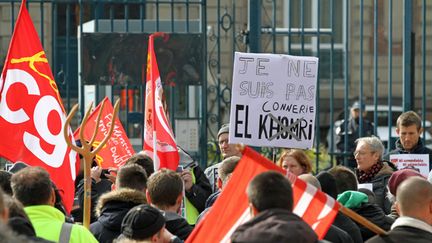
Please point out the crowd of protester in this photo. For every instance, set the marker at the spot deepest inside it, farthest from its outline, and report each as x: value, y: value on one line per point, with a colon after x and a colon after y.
x: 138, y: 204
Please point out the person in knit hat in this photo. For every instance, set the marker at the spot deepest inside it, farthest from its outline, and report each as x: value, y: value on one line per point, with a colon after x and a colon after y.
x: 227, y: 150
x: 145, y: 223
x: 395, y: 180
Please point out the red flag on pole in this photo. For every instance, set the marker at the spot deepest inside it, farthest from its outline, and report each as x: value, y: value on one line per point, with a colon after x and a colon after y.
x: 231, y: 208
x: 118, y: 149
x: 31, y: 110
x: 159, y: 139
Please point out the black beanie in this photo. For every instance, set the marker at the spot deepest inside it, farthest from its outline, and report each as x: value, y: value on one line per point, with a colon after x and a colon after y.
x: 141, y: 222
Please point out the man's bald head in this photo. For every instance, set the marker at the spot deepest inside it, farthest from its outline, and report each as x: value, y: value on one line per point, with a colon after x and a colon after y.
x: 414, y: 198
x: 311, y: 180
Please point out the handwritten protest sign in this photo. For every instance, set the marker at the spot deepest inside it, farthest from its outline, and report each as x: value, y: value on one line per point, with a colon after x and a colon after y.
x: 273, y: 100
x: 419, y: 162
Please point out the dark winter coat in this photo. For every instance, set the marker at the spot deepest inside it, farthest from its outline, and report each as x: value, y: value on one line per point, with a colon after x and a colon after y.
x: 407, y: 230
x: 336, y: 235
x: 110, y: 211
x: 177, y: 225
x: 274, y: 225
x: 200, y: 190
x: 347, y: 225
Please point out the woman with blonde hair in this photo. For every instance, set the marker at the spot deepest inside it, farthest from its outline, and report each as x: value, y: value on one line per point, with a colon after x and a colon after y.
x: 295, y: 161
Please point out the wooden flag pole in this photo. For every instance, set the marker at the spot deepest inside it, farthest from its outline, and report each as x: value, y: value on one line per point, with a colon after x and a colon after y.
x: 86, y: 150
x: 363, y: 221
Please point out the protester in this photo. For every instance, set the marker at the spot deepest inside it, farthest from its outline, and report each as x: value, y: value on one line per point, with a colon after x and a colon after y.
x: 225, y: 171
x: 350, y: 130
x: 328, y: 185
x: 358, y: 202
x: 32, y: 187
x: 131, y: 183
x: 409, y: 128
x: 334, y: 233
x: 197, y: 187
x: 345, y: 179
x: 98, y: 187
x: 414, y: 203
x: 271, y: 203
x: 295, y: 161
x: 143, y: 160
x: 346, y: 182
x: 144, y: 223
x: 165, y: 192
x: 19, y: 222
x: 395, y: 180
x: 373, y: 170
x: 227, y: 150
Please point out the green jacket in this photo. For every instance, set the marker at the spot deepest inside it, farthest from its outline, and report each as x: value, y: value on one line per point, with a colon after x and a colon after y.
x: 47, y: 222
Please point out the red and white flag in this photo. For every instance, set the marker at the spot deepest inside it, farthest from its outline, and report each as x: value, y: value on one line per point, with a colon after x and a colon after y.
x: 31, y: 110
x: 159, y: 139
x: 118, y: 149
x: 231, y: 208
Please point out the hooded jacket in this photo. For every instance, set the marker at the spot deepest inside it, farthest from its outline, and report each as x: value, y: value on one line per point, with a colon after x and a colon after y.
x: 275, y: 225
x: 358, y: 202
x: 110, y: 211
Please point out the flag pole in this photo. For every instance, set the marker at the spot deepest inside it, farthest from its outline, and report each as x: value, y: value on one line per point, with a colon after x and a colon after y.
x: 363, y: 221
x: 153, y: 83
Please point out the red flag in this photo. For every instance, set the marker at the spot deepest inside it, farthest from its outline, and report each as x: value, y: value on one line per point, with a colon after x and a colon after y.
x: 158, y: 136
x: 231, y: 208
x: 31, y: 110
x: 118, y: 149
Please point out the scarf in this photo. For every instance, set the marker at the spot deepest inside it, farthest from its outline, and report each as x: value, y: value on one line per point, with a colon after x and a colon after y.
x: 367, y: 176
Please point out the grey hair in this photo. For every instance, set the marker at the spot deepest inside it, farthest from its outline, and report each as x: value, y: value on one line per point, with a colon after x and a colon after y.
x: 374, y: 143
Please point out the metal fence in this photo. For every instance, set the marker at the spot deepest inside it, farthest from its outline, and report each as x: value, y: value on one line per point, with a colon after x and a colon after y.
x: 371, y: 50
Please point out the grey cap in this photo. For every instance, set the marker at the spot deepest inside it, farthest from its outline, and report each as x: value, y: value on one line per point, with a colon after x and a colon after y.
x: 223, y: 129
x: 356, y: 105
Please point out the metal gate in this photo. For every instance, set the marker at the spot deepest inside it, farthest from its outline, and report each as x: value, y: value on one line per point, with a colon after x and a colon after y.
x: 371, y: 50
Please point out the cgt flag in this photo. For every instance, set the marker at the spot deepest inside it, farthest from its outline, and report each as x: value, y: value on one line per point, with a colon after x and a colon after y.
x: 231, y: 208
x: 159, y: 140
x: 118, y: 149
x: 31, y: 110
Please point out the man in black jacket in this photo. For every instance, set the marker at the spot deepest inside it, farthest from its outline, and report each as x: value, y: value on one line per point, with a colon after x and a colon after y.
x: 112, y: 206
x: 414, y: 203
x: 409, y: 128
x: 271, y: 203
x: 165, y: 192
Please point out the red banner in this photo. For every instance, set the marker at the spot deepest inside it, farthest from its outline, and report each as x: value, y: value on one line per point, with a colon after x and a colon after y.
x: 118, y: 149
x: 158, y: 135
x: 31, y: 110
x: 231, y: 208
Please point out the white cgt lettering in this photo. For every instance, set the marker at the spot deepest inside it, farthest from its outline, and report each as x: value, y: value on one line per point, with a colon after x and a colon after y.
x: 17, y: 76
x: 44, y: 106
x: 40, y: 116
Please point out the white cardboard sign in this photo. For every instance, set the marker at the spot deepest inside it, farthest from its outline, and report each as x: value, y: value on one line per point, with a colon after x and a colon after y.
x: 419, y: 162
x: 273, y: 102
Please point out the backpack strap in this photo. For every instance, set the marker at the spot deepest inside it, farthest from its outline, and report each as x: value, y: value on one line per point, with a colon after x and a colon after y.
x: 65, y: 232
